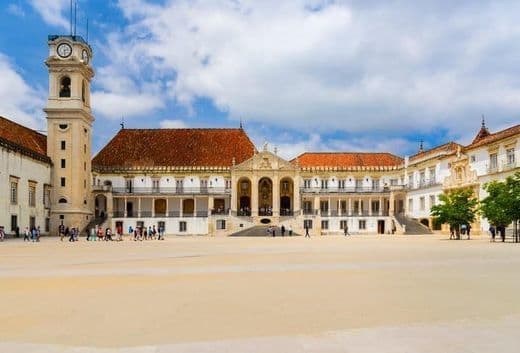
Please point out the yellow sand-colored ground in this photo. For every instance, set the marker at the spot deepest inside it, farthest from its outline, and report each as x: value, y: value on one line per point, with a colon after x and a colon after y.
x: 186, y: 290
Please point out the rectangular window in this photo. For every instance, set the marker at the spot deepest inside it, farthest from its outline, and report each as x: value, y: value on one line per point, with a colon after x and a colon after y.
x: 307, y: 224
x: 63, y: 163
x: 375, y: 184
x: 473, y: 158
x: 228, y: 184
x: 433, y: 176
x: 14, y: 193
x: 359, y: 183
x: 324, y: 184
x: 375, y: 206
x: 307, y: 183
x: 129, y: 184
x: 47, y: 224
x: 410, y: 205
x: 394, y: 182
x: 510, y: 153
x: 324, y: 206
x: 32, y: 195
x: 155, y: 185
x: 343, y: 224
x: 493, y: 162
x: 362, y: 224
x: 14, y: 222
x: 182, y: 226
x: 422, y: 177
x: 432, y: 200
x: 179, y: 185
x: 46, y: 196
x: 422, y: 203
x: 325, y: 225
x: 63, y: 145
x: 410, y: 180
x: 62, y: 181
x: 341, y: 184
x: 221, y: 224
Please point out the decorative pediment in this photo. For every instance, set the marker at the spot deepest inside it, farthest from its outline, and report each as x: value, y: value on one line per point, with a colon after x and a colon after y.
x: 265, y: 160
x: 461, y: 174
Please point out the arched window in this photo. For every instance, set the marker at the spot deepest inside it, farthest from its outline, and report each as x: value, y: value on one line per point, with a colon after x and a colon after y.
x: 62, y: 200
x: 65, y: 87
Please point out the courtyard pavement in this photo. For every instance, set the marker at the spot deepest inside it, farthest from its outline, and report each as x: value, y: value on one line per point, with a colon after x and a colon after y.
x: 201, y: 294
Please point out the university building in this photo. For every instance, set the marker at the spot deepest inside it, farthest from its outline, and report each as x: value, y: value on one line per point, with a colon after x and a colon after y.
x: 216, y: 181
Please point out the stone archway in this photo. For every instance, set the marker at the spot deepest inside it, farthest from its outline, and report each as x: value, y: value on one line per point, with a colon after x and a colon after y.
x: 244, y: 197
x: 265, y: 197
x: 100, y: 203
x: 286, y: 196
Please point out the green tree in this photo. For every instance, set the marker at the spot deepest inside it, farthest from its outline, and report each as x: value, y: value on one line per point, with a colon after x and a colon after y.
x: 456, y: 208
x: 502, y: 205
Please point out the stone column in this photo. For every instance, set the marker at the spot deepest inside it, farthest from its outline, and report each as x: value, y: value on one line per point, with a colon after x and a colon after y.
x: 316, y: 203
x: 370, y: 206
x: 296, y: 195
x: 153, y: 207
x: 211, y: 204
x: 194, y: 206
x: 234, y: 194
x: 180, y: 208
x: 391, y: 211
x: 350, y: 206
x: 360, y: 207
x: 254, y: 196
x: 339, y: 208
x: 167, y: 208
x: 139, y: 207
x: 276, y: 196
x: 380, y: 206
x: 125, y: 213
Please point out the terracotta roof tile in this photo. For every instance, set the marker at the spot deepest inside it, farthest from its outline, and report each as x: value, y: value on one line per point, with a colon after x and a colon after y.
x: 447, y: 148
x: 23, y: 139
x: 175, y: 148
x: 499, y: 135
x: 347, y: 159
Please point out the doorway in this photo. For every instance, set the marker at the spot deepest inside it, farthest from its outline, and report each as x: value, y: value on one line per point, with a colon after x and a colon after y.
x: 380, y: 226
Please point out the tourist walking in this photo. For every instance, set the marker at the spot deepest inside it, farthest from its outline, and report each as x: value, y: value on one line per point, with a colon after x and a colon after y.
x: 345, y: 230
x: 492, y: 230
x: 71, y: 234
x: 274, y: 232
x: 61, y: 231
x: 283, y: 230
x: 33, y: 234
x: 26, y: 236
x: 92, y: 236
x: 2, y: 233
x: 38, y: 233
x: 468, y: 229
x: 307, y: 235
x: 290, y: 230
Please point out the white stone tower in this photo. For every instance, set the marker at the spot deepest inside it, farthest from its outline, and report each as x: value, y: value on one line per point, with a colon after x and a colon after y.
x: 69, y: 126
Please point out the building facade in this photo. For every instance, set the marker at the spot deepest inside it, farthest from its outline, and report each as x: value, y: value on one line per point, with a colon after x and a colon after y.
x: 215, y: 181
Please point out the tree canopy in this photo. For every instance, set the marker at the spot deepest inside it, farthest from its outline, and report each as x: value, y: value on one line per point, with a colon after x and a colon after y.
x: 456, y: 208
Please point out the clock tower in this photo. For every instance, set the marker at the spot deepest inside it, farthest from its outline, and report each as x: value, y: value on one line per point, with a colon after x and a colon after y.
x: 69, y: 130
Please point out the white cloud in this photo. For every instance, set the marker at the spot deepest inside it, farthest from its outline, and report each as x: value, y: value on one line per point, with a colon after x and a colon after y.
x: 361, y: 67
x: 53, y: 12
x: 116, y: 106
x: 16, y: 10
x: 172, y: 124
x: 20, y: 102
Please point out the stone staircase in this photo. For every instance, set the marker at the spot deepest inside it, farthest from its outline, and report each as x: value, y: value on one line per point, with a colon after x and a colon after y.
x: 412, y: 226
x: 260, y: 231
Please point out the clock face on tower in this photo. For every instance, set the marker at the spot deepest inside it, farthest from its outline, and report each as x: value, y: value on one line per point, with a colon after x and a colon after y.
x: 84, y: 56
x: 64, y: 50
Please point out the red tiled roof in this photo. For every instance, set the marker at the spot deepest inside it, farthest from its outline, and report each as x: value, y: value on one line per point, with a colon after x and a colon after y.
x: 447, y: 148
x: 347, y: 159
x: 23, y: 139
x: 499, y: 135
x: 175, y: 148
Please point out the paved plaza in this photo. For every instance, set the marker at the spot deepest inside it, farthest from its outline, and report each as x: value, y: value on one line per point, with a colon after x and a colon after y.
x: 206, y: 294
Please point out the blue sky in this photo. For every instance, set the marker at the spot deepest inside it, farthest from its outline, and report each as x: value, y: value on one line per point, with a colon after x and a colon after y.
x: 305, y: 75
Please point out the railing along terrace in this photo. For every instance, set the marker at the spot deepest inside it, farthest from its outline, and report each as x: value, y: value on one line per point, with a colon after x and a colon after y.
x: 308, y: 212
x: 352, y: 189
x: 426, y: 184
x: 170, y: 190
x: 220, y: 211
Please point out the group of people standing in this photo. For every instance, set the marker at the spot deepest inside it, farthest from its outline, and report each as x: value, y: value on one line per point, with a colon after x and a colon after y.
x: 143, y: 233
x: 498, y: 229
x: 271, y: 231
x: 66, y: 232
